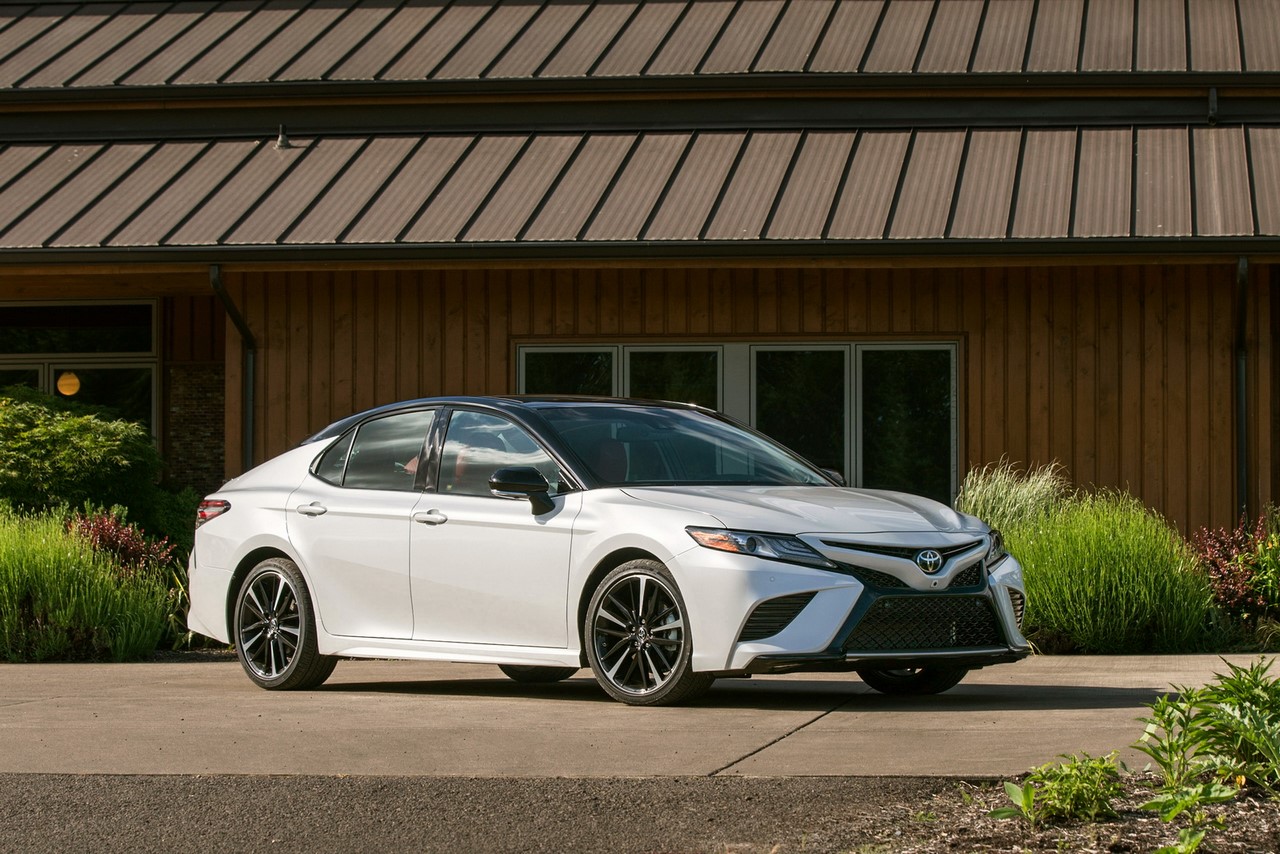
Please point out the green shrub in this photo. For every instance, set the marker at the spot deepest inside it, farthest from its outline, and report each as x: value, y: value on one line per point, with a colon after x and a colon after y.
x: 1244, y: 570
x: 1006, y: 498
x: 60, y: 600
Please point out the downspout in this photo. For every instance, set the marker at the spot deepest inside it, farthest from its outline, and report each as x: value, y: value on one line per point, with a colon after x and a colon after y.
x: 1242, y: 398
x: 248, y: 359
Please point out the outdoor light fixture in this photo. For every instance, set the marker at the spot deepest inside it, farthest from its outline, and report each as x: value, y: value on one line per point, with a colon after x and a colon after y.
x: 68, y: 383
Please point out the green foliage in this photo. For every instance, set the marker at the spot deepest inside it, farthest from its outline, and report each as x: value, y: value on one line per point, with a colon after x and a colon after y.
x: 1006, y: 498
x: 1081, y: 787
x: 60, y: 600
x: 1174, y: 737
x: 1171, y: 803
x: 1024, y: 804
x: 1189, y: 840
x: 1243, y: 565
x: 1241, y: 720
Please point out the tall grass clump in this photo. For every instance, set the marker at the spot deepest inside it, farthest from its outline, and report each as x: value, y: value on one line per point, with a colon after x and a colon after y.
x: 1006, y: 498
x: 62, y: 600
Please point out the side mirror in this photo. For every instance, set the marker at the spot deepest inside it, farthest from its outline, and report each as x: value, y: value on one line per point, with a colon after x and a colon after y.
x: 834, y: 475
x: 523, y: 482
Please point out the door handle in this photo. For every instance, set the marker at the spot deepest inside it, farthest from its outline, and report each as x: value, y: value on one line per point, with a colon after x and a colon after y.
x: 431, y: 517
x: 315, y: 508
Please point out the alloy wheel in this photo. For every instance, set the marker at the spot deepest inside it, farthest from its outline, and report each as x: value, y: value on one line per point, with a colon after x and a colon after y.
x: 270, y: 625
x: 639, y: 634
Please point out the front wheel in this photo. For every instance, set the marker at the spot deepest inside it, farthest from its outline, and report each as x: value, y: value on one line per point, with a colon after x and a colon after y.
x: 933, y: 679
x: 275, y: 630
x: 638, y: 640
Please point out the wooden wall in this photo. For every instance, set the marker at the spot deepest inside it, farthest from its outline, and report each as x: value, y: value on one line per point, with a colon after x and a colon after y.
x: 1123, y: 374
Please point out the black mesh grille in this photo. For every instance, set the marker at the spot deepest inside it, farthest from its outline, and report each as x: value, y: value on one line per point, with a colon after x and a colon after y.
x: 1019, y: 604
x: 970, y: 577
x: 773, y: 615
x: 874, y: 578
x: 926, y: 622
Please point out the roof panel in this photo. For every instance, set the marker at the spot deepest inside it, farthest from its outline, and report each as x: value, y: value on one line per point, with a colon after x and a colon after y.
x: 632, y: 197
x: 1163, y: 182
x: 318, y: 59
x: 862, y: 209
x: 927, y: 189
x: 1162, y: 35
x: 1044, y: 187
x: 463, y: 191
x: 144, y: 44
x: 695, y: 187
x: 130, y: 195
x: 638, y: 42
x: 1222, y: 194
x: 184, y: 50
x: 951, y: 38
x: 188, y: 190
x: 743, y: 37
x: 808, y: 194
x: 1003, y: 42
x: 986, y: 188
x: 92, y: 48
x: 568, y: 208
x: 1103, y: 184
x: 792, y: 44
x: 1055, y: 44
x: 1264, y: 146
x: 508, y: 210
x: 344, y: 200
x: 901, y: 33
x: 237, y: 196
x: 692, y: 37
x: 391, y: 37
x: 1108, y: 36
x: 296, y: 36
x: 399, y: 201
x: 36, y: 181
x: 845, y: 42
x: 595, y: 32
x: 1215, y: 38
x: 536, y: 43
x: 442, y: 37
x: 21, y: 27
x: 16, y: 159
x: 748, y: 200
x: 489, y: 40
x: 240, y: 43
x: 297, y: 192
x: 1260, y: 34
x: 74, y: 195
x: 62, y: 36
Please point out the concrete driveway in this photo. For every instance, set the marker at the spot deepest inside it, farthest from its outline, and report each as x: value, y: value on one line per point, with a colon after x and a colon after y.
x: 411, y: 718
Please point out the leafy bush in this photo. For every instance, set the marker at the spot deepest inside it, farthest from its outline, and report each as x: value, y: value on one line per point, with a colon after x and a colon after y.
x: 62, y: 600
x: 134, y: 552
x: 1006, y: 498
x: 1244, y: 567
x: 1080, y: 787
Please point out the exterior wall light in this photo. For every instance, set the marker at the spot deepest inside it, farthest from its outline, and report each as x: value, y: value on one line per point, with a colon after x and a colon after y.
x: 68, y: 383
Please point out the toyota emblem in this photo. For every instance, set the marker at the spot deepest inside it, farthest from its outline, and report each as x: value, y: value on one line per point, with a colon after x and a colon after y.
x: 929, y: 560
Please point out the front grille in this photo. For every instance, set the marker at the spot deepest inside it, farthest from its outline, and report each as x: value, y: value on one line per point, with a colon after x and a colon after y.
x: 910, y: 623
x: 901, y: 552
x: 1019, y: 603
x: 970, y: 577
x: 875, y: 578
x: 773, y: 615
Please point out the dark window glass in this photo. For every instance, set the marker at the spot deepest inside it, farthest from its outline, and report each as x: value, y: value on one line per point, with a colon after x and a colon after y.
x: 582, y: 372
x: 29, y: 377
x: 76, y: 329
x: 906, y: 421
x: 687, y: 377
x: 479, y: 444
x: 800, y: 401
x: 334, y: 462
x: 385, y: 452
x: 121, y: 392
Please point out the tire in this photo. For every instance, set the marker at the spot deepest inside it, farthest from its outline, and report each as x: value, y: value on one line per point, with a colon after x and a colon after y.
x: 638, y: 639
x: 933, y: 679
x: 274, y: 629
x: 534, y: 675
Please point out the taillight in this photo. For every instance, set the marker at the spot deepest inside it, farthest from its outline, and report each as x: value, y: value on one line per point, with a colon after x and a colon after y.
x: 210, y: 510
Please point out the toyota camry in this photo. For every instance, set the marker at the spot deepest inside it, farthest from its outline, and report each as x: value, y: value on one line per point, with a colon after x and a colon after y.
x: 661, y: 545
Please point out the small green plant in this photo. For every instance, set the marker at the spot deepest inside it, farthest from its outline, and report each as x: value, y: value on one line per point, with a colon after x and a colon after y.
x: 1175, y: 736
x: 1080, y: 787
x: 1241, y: 713
x: 1189, y: 840
x: 1172, y: 803
x: 1024, y: 804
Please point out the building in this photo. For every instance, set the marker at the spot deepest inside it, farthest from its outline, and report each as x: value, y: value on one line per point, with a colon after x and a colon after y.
x: 905, y: 237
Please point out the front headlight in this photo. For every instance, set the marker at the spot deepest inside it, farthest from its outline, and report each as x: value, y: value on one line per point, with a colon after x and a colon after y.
x: 995, y: 551
x: 781, y: 547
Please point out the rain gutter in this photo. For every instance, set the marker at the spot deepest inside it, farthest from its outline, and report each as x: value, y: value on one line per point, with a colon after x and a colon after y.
x: 248, y: 361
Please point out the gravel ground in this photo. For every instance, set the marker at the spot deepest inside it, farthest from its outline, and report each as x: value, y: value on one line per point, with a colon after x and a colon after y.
x: 45, y: 813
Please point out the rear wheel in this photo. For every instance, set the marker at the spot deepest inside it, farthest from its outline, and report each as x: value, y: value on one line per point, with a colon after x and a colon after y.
x: 638, y: 640
x: 533, y: 675
x: 933, y: 679
x: 275, y: 630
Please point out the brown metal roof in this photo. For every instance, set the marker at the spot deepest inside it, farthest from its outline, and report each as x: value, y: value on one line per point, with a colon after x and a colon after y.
x: 977, y: 187
x: 191, y: 42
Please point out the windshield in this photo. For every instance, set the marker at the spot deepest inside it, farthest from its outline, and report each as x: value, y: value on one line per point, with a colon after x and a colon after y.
x: 661, y: 447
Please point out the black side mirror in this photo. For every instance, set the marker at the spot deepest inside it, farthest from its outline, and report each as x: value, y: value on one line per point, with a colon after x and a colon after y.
x: 523, y: 482
x: 834, y: 475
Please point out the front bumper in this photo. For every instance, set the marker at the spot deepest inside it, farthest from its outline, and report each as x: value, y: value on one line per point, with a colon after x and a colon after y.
x: 843, y: 662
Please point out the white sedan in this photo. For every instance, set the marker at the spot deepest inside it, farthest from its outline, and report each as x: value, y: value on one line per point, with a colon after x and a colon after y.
x: 661, y: 545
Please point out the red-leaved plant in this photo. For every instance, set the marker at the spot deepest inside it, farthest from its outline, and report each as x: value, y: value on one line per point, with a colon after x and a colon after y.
x: 136, y: 553
x: 1233, y: 558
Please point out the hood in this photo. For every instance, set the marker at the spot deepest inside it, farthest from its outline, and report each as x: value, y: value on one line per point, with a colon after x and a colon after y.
x: 810, y: 509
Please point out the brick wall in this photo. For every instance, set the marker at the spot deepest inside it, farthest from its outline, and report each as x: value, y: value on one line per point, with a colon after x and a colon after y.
x: 193, y: 425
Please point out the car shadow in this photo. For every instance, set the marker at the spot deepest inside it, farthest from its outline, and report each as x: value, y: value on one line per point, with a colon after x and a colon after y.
x: 788, y: 695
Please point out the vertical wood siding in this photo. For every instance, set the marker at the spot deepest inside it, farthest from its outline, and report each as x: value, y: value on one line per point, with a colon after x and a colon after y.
x: 1123, y: 374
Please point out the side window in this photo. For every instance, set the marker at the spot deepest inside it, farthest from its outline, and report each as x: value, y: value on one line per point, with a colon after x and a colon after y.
x: 383, y: 454
x: 478, y: 444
